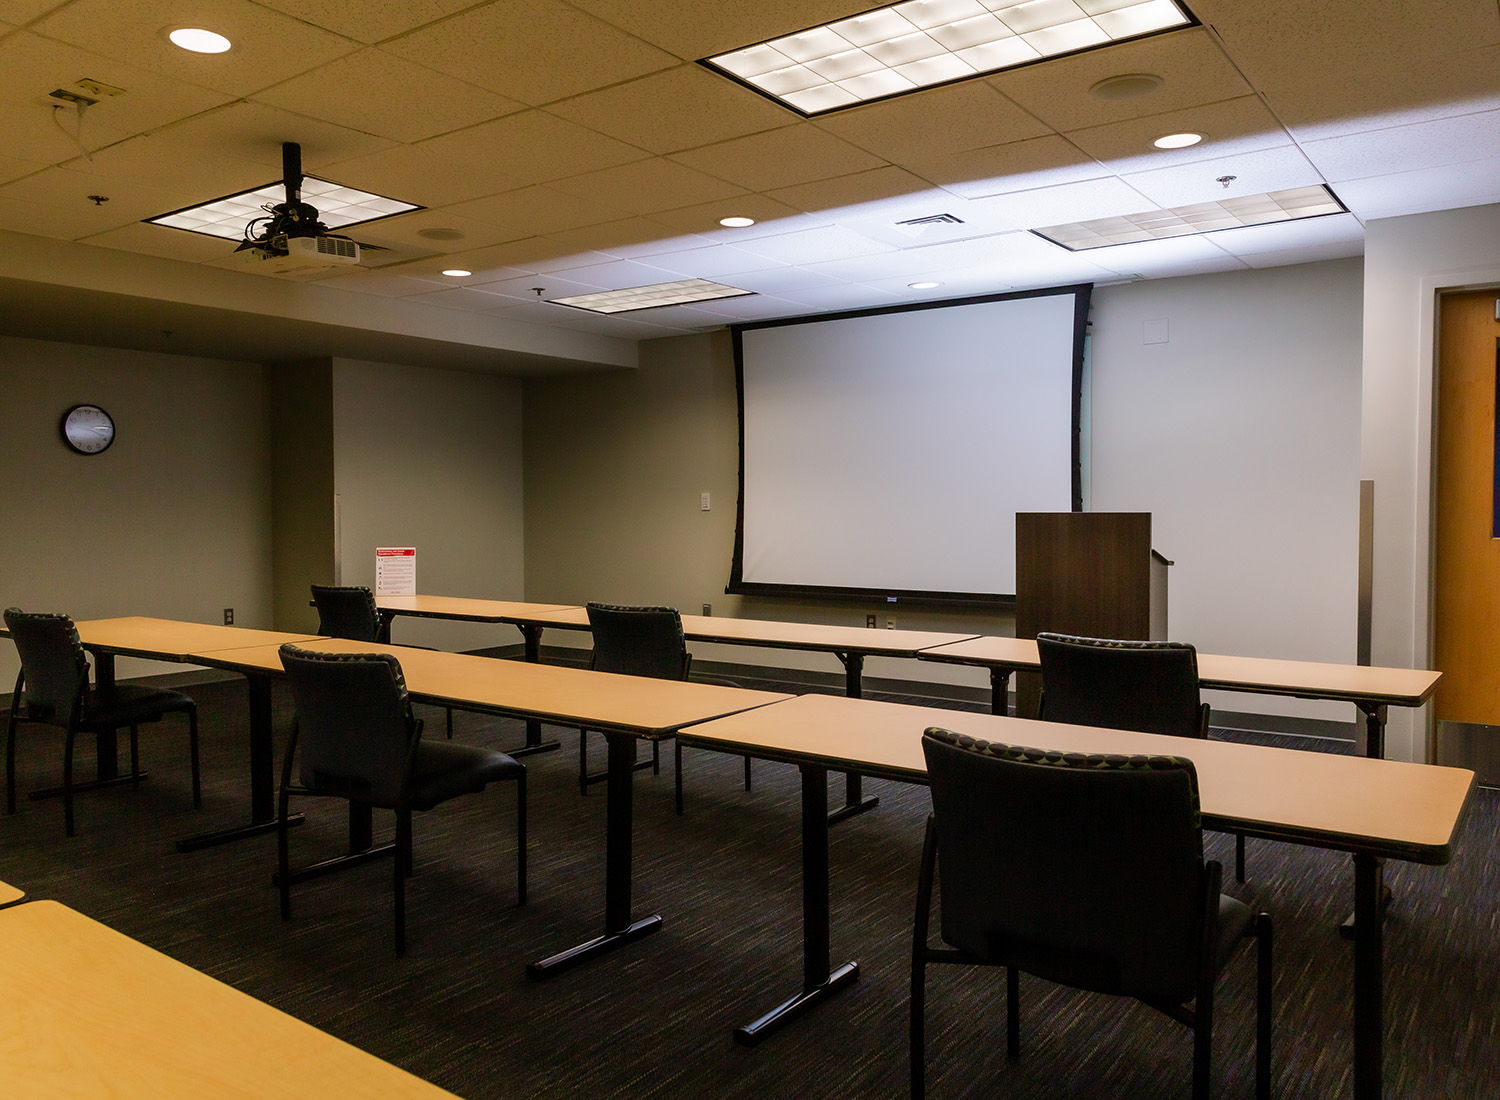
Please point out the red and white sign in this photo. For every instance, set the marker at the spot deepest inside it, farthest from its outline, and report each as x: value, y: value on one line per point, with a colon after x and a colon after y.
x: 395, y: 570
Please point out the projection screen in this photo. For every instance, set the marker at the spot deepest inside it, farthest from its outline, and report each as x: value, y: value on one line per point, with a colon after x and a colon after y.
x: 886, y: 453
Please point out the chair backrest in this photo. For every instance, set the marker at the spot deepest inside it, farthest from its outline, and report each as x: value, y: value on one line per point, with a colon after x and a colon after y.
x: 638, y: 641
x: 347, y: 611
x: 355, y: 730
x: 1150, y: 687
x: 52, y: 662
x: 1086, y: 870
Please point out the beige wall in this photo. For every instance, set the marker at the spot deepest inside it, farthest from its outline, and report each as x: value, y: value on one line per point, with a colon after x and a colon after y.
x: 173, y: 520
x: 302, y: 518
x: 1408, y: 261
x: 432, y: 459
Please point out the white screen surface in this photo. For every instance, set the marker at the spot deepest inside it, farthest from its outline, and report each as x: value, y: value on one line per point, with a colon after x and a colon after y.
x: 891, y: 452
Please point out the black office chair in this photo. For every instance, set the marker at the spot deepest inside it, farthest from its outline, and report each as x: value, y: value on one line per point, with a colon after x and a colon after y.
x: 638, y: 641
x: 358, y: 740
x: 1086, y: 871
x: 53, y: 689
x: 1149, y: 687
x: 349, y: 611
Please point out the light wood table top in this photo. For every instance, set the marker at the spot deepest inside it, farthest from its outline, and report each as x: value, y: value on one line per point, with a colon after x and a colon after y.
x: 478, y: 611
x: 553, y: 693
x: 91, y: 1014
x: 9, y: 894
x: 1407, y: 687
x: 1350, y: 803
x: 170, y: 640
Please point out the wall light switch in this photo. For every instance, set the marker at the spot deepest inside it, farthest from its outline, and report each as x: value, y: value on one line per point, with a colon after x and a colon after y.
x: 703, y: 502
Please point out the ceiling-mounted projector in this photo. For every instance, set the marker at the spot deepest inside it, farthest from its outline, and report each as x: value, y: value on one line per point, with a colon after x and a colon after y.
x: 283, y: 255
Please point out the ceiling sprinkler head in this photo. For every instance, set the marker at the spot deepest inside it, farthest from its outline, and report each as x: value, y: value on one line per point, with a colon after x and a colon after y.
x: 1226, y: 180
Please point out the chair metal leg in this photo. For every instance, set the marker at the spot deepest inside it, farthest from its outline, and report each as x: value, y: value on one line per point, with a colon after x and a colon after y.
x: 918, y: 1044
x: 68, y: 782
x: 521, y: 838
x: 283, y: 858
x: 677, y: 748
x: 1012, y: 1012
x: 193, y: 751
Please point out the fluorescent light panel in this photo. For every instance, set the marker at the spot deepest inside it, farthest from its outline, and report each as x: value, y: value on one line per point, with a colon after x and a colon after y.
x: 651, y: 297
x: 920, y: 43
x: 338, y: 207
x: 1202, y: 217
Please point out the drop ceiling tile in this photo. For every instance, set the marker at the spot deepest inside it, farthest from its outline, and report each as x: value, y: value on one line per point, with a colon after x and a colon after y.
x: 935, y: 122
x: 13, y: 169
x: 780, y: 158
x: 832, y: 299
x: 67, y: 191
x: 629, y: 238
x: 532, y: 147
x: 424, y: 174
x: 1307, y: 254
x: 1193, y: 70
x: 368, y: 20
x: 952, y: 285
x: 675, y: 109
x: 18, y: 12
x: 1068, y: 202
x: 523, y: 287
x: 496, y: 46
x: 1421, y: 191
x: 468, y: 299
x: 771, y: 217
x: 905, y: 222
x: 1165, y: 259
x: 528, y: 254
x: 1017, y: 166
x: 1333, y: 229
x: 851, y: 190
x: 268, y: 47
x: 398, y: 283
x: 1406, y: 148
x: 32, y: 66
x: 156, y: 240
x: 814, y: 245
x: 406, y: 229
x: 645, y: 187
x: 715, y: 262
x: 385, y: 95
x: 886, y: 265
x: 692, y: 29
x: 1229, y: 127
x: 779, y: 280
x: 1255, y: 174
x: 65, y: 221
x: 535, y: 211
x: 618, y: 274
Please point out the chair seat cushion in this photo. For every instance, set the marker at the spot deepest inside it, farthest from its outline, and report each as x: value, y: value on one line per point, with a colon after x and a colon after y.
x: 128, y: 704
x: 1235, y: 918
x: 443, y: 770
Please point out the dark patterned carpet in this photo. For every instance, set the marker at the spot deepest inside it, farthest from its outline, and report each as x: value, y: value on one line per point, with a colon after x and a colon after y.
x: 654, y: 1020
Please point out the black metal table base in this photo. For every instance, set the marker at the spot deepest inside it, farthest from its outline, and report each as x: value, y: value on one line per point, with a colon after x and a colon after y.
x: 88, y: 785
x: 531, y: 749
x: 229, y: 836
x: 337, y: 863
x: 751, y: 1034
x: 552, y: 966
x: 855, y: 800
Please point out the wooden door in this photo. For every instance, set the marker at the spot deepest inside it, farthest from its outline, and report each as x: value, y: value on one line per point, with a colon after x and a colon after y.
x: 1467, y: 572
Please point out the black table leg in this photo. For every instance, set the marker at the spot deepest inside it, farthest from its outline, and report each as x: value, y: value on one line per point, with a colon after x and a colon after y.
x: 618, y: 927
x: 362, y: 848
x: 1369, y: 976
x: 1375, y: 719
x: 531, y: 634
x: 999, y: 691
x: 262, y: 768
x: 854, y: 800
x: 818, y: 982
x: 109, y: 748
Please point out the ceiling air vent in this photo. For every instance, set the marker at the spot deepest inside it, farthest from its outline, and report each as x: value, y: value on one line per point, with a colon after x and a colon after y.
x: 933, y: 219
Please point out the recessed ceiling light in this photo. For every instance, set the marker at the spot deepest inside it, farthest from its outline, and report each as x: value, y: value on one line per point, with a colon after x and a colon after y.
x: 736, y: 223
x: 921, y: 43
x: 1177, y: 141
x: 338, y: 208
x: 457, y: 273
x: 1203, y: 217
x: 1126, y: 86
x: 924, y: 286
x: 651, y: 297
x: 198, y: 40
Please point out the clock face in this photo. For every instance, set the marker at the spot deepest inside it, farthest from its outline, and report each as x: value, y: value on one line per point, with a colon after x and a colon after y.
x: 88, y: 429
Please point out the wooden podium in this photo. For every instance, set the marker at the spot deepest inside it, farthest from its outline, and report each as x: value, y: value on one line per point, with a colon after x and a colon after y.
x: 1088, y: 573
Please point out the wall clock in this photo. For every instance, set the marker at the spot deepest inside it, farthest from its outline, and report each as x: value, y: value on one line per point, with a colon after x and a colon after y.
x: 88, y: 429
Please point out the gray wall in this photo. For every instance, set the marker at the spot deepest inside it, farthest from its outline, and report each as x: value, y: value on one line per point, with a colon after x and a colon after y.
x: 1241, y: 434
x: 173, y: 520
x: 302, y: 493
x: 432, y: 459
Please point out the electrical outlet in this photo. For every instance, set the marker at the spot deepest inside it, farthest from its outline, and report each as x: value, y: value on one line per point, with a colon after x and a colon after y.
x: 890, y: 624
x: 708, y: 609
x: 229, y: 616
x: 703, y: 501
x: 870, y: 621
